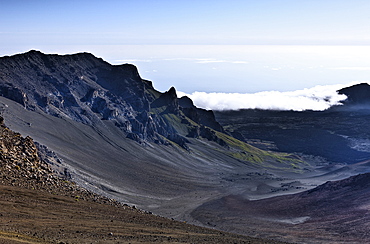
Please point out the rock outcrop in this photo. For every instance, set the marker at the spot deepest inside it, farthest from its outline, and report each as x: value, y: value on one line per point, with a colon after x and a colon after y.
x: 199, y: 115
x: 19, y: 160
x: 23, y: 165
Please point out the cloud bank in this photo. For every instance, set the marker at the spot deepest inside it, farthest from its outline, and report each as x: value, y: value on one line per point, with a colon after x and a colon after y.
x: 315, y: 98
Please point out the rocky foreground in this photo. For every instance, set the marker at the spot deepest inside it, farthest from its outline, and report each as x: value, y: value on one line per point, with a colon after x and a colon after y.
x: 36, y: 206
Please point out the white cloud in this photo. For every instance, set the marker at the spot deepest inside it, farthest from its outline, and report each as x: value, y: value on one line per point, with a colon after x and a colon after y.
x: 212, y: 60
x: 209, y: 60
x: 316, y: 98
x: 278, y: 68
x: 351, y: 68
x: 239, y: 62
x: 151, y: 71
x: 196, y: 60
x: 133, y: 60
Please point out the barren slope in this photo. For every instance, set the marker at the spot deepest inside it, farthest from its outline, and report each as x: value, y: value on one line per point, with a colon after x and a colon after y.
x: 36, y: 206
x: 336, y: 212
x: 31, y: 216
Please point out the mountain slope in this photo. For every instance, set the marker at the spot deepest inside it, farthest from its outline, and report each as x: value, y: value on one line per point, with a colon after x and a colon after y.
x: 36, y: 206
x: 338, y: 135
x: 118, y: 136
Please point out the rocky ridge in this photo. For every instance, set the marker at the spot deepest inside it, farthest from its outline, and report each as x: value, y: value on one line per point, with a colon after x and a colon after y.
x: 87, y: 89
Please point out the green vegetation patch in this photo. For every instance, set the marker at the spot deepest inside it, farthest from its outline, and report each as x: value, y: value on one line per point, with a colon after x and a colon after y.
x: 245, y: 152
x: 175, y: 122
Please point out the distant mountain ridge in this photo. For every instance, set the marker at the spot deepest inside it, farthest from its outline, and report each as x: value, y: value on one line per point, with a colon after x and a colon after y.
x: 356, y: 94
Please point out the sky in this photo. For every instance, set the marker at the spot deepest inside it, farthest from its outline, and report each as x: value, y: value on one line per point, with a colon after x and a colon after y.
x: 204, y: 47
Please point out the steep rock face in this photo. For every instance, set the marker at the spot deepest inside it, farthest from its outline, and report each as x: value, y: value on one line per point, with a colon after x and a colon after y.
x: 87, y: 89
x: 168, y: 99
x: 206, y: 120
x: 199, y: 115
x: 56, y: 84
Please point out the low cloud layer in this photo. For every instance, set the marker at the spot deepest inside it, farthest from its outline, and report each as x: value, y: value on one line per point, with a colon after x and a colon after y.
x: 316, y: 98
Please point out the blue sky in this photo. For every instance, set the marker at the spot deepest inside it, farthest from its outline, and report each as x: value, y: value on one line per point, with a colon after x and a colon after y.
x: 41, y: 22
x: 205, y: 46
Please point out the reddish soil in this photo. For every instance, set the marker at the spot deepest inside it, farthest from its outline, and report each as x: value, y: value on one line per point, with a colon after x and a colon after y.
x: 33, y: 216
